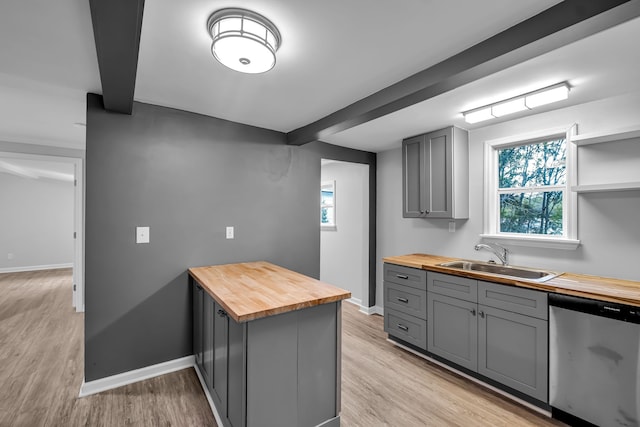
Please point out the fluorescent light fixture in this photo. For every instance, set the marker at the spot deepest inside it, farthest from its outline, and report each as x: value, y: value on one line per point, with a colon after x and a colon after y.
x: 480, y: 115
x: 243, y: 40
x: 508, y: 107
x: 548, y: 95
x: 527, y: 101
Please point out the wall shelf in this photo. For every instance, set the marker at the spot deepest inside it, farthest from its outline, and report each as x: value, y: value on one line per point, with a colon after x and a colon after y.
x: 609, y: 136
x: 596, y: 188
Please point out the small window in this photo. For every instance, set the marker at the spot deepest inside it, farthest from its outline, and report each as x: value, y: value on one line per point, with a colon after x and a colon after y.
x: 328, y: 205
x: 527, y: 194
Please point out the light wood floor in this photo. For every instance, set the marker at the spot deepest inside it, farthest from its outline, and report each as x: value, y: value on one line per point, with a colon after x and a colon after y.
x: 41, y: 369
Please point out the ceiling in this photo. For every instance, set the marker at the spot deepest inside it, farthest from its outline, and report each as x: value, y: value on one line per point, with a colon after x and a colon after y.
x: 37, y: 169
x: 333, y: 54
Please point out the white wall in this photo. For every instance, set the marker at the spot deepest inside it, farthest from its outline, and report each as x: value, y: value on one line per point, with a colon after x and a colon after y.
x: 608, y: 223
x: 344, y: 253
x: 36, y: 222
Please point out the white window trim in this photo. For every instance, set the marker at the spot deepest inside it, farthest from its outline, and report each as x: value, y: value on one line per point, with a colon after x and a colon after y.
x: 333, y: 226
x: 570, y: 240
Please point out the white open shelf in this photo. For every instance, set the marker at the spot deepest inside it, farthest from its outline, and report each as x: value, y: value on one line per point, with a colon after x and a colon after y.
x: 609, y: 136
x: 595, y: 188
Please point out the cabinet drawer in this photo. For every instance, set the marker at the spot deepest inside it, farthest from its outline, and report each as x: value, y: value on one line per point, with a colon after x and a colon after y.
x: 407, y: 328
x: 517, y: 300
x: 408, y: 276
x: 453, y: 286
x: 406, y: 299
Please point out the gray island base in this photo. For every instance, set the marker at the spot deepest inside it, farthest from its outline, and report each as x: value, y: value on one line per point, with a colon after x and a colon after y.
x: 281, y: 370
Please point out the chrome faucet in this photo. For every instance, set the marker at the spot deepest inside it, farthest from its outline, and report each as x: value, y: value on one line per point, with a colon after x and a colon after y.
x: 501, y: 252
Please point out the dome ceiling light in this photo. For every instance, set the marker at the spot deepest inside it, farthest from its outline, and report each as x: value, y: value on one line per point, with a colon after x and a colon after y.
x: 243, y: 40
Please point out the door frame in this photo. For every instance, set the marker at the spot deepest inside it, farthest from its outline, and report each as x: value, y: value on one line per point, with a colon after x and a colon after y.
x: 78, y: 217
x: 365, y: 244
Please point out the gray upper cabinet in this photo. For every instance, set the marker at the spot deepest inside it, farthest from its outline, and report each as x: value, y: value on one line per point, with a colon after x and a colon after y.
x: 435, y: 175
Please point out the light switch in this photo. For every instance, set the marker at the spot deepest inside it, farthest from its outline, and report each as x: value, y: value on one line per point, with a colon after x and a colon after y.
x: 230, y: 232
x: 142, y: 234
x: 452, y: 226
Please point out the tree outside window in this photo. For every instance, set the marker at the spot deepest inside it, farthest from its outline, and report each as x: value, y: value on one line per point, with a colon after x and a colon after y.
x: 328, y: 205
x: 532, y: 183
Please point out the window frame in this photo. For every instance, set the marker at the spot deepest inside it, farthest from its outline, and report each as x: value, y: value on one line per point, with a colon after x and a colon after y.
x: 332, y: 185
x: 569, y: 239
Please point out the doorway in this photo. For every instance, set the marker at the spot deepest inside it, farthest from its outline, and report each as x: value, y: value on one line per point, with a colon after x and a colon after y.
x: 45, y: 230
x: 344, y: 238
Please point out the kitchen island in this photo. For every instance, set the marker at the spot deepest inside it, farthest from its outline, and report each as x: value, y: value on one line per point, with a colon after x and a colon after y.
x: 267, y: 345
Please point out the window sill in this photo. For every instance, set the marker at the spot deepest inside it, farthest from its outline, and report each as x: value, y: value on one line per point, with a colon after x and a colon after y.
x: 533, y: 241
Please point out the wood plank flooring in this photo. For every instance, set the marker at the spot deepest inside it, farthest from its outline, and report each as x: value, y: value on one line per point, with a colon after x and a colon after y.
x: 41, y: 370
x: 41, y: 367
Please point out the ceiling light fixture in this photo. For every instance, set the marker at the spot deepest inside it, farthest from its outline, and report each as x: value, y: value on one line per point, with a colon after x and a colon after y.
x: 547, y: 95
x: 243, y: 40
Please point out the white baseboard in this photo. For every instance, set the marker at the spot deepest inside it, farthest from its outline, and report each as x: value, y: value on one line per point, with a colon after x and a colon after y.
x: 366, y: 310
x: 130, y: 377
x: 209, y: 399
x: 35, y: 268
x: 475, y: 380
x: 355, y: 301
x: 376, y: 309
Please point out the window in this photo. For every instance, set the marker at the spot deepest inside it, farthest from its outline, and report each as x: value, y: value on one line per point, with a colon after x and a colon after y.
x: 328, y: 205
x: 527, y: 196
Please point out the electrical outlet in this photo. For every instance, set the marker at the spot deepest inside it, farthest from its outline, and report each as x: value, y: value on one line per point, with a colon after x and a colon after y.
x: 142, y: 234
x: 9, y: 255
x: 230, y: 232
x: 452, y: 226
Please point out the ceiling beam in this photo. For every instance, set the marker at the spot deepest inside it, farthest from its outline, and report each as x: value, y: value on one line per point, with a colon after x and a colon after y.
x: 560, y: 25
x: 116, y: 31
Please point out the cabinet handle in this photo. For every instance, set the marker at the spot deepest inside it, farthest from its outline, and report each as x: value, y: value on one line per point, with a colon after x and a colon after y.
x: 481, y: 313
x: 403, y: 327
x: 405, y: 300
x: 473, y: 311
x: 402, y: 276
x: 222, y: 313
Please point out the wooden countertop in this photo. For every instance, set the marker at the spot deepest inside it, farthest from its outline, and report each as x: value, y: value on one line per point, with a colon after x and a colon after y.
x: 581, y: 285
x: 249, y: 291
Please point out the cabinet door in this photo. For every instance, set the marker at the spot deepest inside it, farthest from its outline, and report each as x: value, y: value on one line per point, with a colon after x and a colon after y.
x: 452, y: 329
x: 437, y: 174
x: 513, y: 350
x: 220, y: 356
x: 236, y: 390
x: 197, y: 323
x: 412, y: 177
x: 207, y: 339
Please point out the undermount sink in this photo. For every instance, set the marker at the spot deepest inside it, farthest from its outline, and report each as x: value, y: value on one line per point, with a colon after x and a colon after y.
x: 520, y: 273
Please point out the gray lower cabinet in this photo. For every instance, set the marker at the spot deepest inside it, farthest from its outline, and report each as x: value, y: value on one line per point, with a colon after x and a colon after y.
x: 277, y: 371
x: 198, y: 296
x: 207, y: 339
x: 453, y: 330
x: 405, y: 304
x: 513, y: 350
x: 498, y: 331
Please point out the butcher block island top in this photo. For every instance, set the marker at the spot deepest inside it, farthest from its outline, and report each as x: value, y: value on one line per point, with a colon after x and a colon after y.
x: 252, y: 290
x: 582, y: 285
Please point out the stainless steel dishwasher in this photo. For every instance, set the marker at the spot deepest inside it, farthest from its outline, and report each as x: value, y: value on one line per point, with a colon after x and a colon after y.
x: 594, y: 362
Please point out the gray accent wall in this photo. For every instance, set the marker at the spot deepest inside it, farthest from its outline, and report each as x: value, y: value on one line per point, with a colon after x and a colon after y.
x: 187, y: 177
